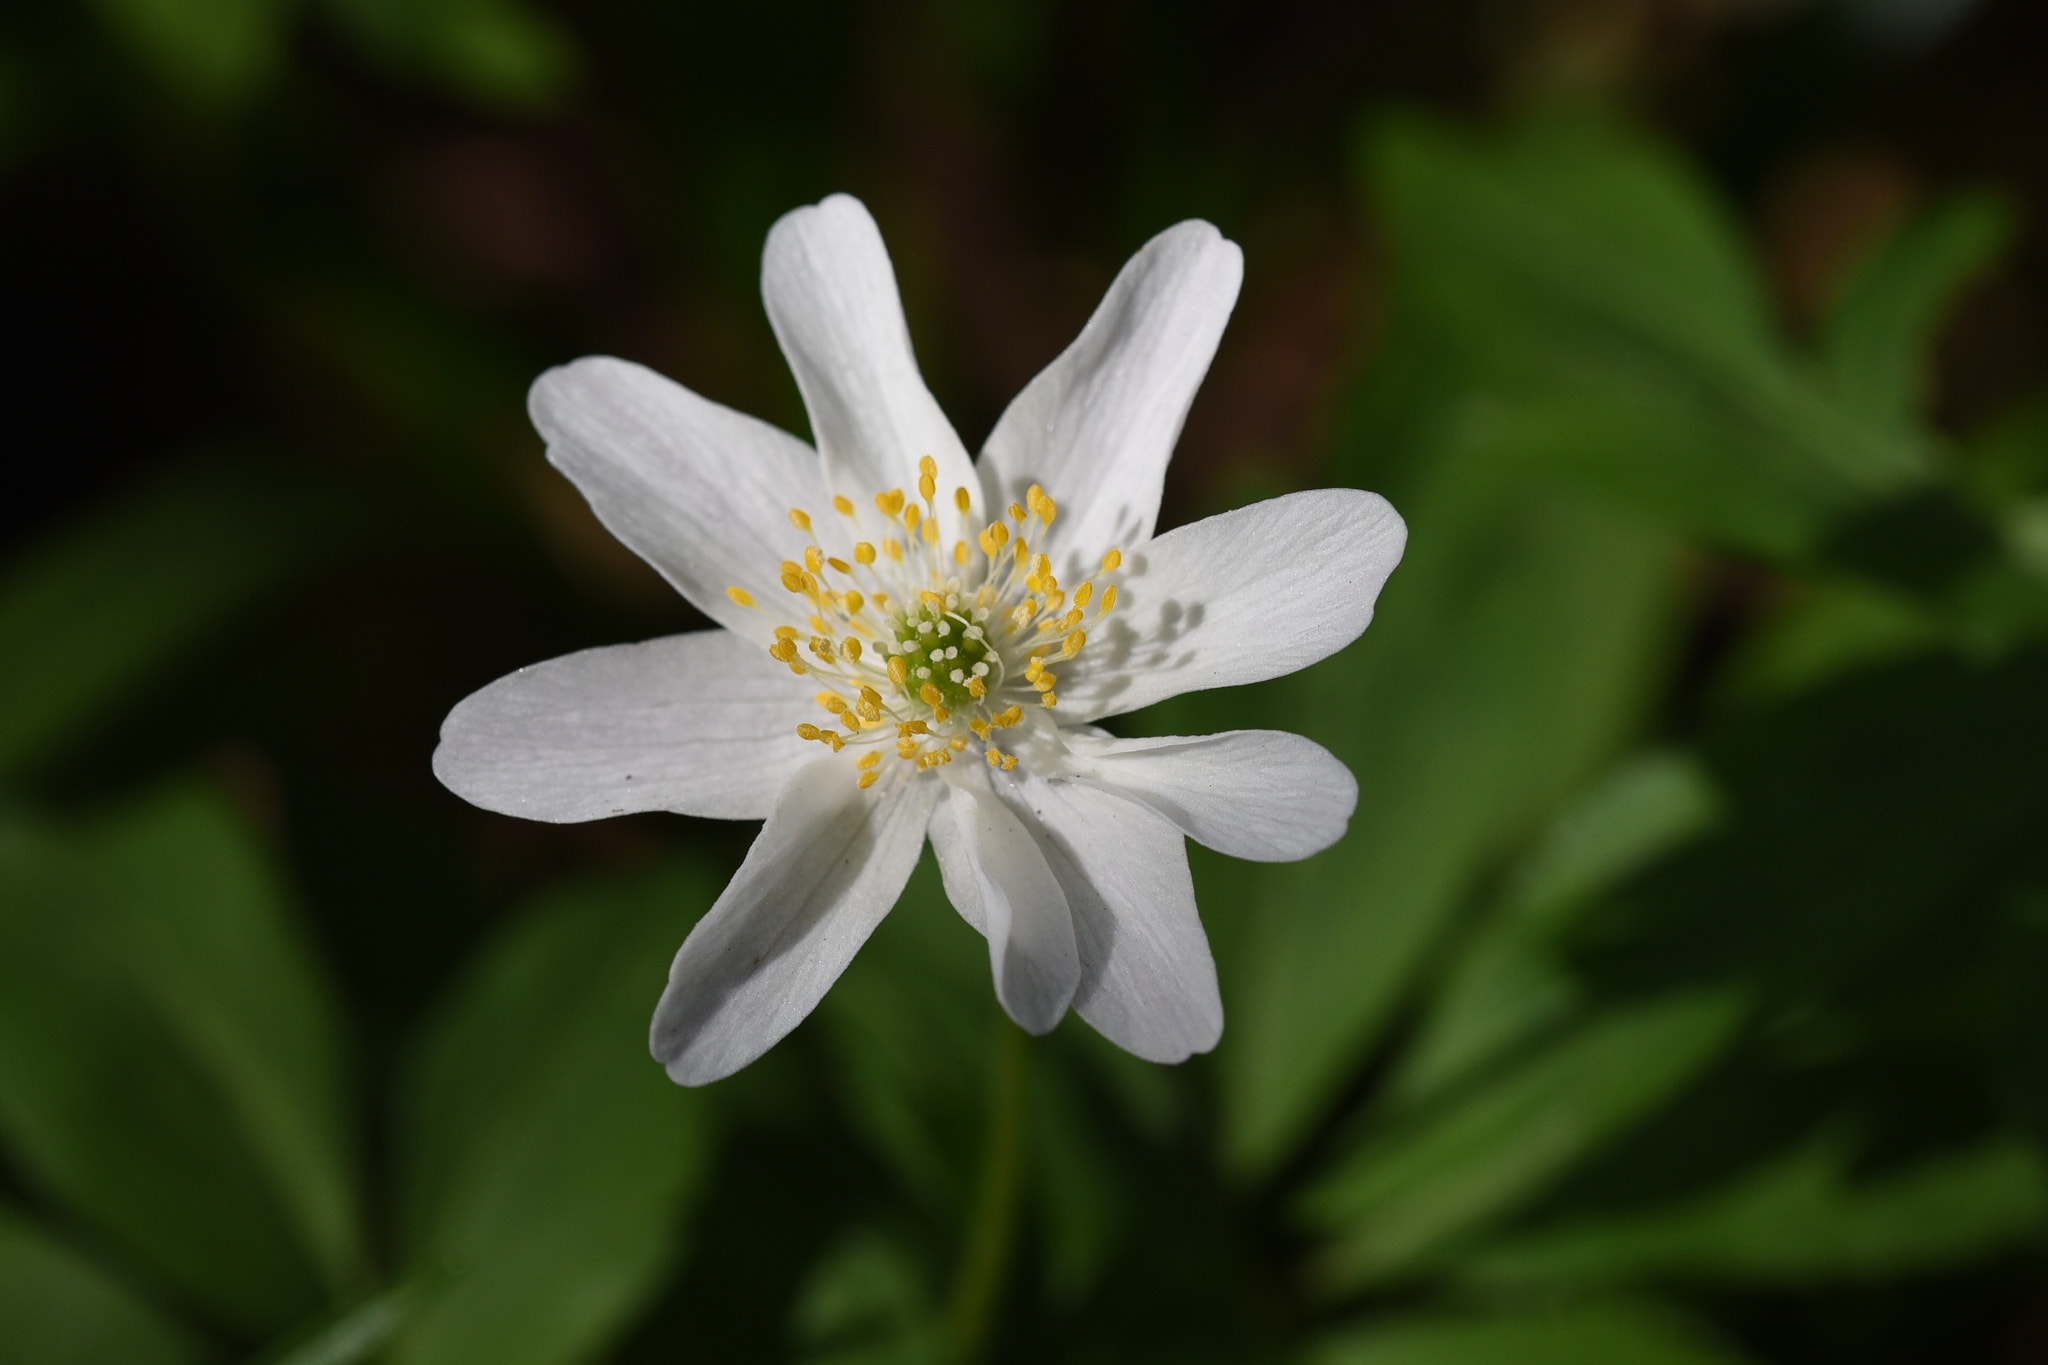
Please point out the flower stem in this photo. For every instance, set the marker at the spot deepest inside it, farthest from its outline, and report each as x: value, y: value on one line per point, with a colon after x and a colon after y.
x: 985, y: 1253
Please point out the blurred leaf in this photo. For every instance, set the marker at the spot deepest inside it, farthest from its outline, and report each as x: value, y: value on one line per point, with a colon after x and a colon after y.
x: 1507, y: 661
x: 168, y: 1064
x: 1797, y: 1220
x: 1829, y: 628
x: 910, y: 1028
x: 1586, y: 274
x: 494, y: 52
x: 1509, y: 979
x: 545, y: 1160
x: 868, y: 1303
x: 357, y: 1333
x: 58, y: 1308
x: 203, y: 930
x: 215, y: 53
x: 1077, y: 1188
x: 90, y: 614
x: 1407, y: 1191
x: 1603, y: 1334
x: 1877, y: 339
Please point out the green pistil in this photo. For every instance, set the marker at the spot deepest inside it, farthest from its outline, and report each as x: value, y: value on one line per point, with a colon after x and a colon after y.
x: 944, y: 645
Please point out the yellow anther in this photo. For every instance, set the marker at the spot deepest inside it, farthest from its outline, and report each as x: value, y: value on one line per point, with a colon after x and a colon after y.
x: 1017, y: 514
x: 799, y: 518
x: 893, y: 550
x: 1072, y: 644
x: 793, y: 578
x: 843, y: 506
x: 1073, y: 619
x: 850, y: 721
x: 785, y: 632
x: 1048, y: 700
x: 1009, y: 762
x: 1032, y: 495
x: 832, y: 739
x: 1111, y: 560
x: 1023, y: 551
x: 1047, y: 510
x: 1006, y: 719
x: 995, y: 760
x: 912, y: 515
x: 976, y: 688
x: 784, y: 649
x: 906, y: 748
x: 932, y: 599
x: 1032, y: 583
x: 840, y: 566
x: 853, y: 602
x: 914, y: 727
x: 870, y: 704
x: 1083, y: 593
x: 899, y: 672
x: 818, y: 624
x: 864, y: 553
x: 941, y: 714
x: 930, y: 695
x: 1108, y: 600
x: 889, y: 503
x: 850, y: 647
x: 927, y: 487
x: 931, y: 533
x: 980, y: 728
x: 993, y: 538
x: 808, y: 731
x: 962, y: 501
x: 958, y: 744
x: 821, y: 647
x: 832, y: 702
x: 1055, y: 599
x: 741, y: 596
x: 1044, y: 681
x: 1041, y: 565
x: 960, y: 553
x: 868, y: 760
x: 867, y: 779
x: 927, y: 466
x: 814, y: 559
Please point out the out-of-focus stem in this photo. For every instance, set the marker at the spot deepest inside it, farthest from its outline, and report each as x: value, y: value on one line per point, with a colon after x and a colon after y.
x: 985, y: 1250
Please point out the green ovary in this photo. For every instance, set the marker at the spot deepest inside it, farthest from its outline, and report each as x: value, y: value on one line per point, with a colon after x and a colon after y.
x: 945, y: 646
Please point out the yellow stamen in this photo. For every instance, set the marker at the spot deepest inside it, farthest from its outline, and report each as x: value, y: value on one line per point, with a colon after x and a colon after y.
x: 1108, y: 600
x: 868, y: 760
x: 889, y: 503
x: 867, y: 779
x: 741, y: 596
x: 864, y: 553
x: 1111, y: 560
x: 899, y: 672
x: 1083, y: 593
x: 799, y: 518
x: 843, y: 506
x: 962, y: 501
x: 850, y: 647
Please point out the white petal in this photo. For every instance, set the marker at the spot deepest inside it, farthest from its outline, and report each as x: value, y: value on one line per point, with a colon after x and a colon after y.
x: 1237, y: 598
x: 697, y: 490
x: 1265, y: 795
x: 702, y: 724
x: 1098, y: 425
x: 1148, y: 983
x: 997, y: 878
x: 831, y: 297
x: 827, y: 866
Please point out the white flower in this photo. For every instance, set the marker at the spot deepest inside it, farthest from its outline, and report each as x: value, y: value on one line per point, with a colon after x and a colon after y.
x: 915, y: 644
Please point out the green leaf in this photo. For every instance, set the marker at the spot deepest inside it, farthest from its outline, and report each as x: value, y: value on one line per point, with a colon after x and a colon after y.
x: 1508, y: 659
x: 89, y: 615
x: 168, y: 1060
x: 1599, y: 1334
x: 1586, y: 274
x: 910, y: 1029
x: 545, y: 1160
x: 869, y: 1302
x: 1401, y: 1194
x: 59, y: 1308
x: 1509, y: 979
x: 214, y: 54
x: 1878, y: 337
x: 1799, y: 1219
x: 499, y: 53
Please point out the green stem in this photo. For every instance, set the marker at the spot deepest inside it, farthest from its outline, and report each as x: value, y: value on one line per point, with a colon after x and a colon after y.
x: 985, y: 1255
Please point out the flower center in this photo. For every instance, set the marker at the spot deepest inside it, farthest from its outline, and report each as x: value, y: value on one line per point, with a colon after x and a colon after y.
x: 927, y: 651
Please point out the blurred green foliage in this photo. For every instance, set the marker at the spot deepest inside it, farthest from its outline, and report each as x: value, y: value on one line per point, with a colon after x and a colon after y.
x: 1684, y: 974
